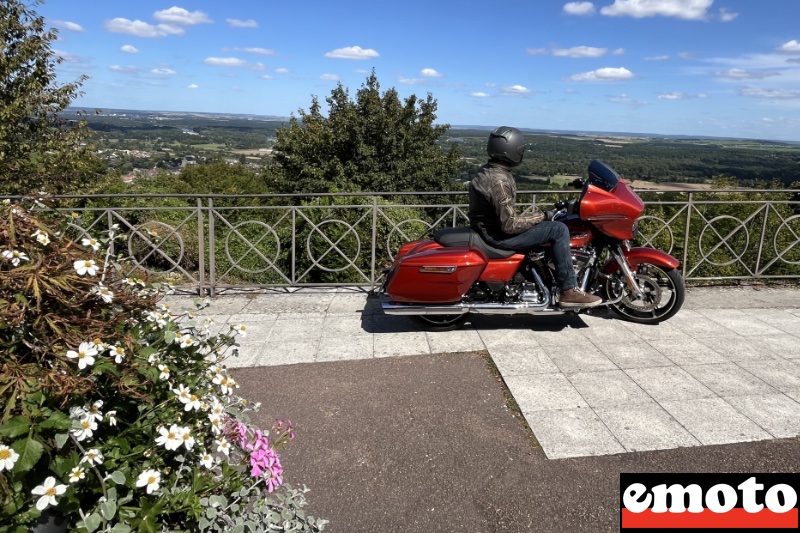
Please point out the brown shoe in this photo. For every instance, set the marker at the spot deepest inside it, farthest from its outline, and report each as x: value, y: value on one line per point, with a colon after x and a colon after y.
x: 577, y: 298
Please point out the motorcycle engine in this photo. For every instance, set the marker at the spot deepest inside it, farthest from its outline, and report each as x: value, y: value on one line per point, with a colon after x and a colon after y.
x: 582, y: 261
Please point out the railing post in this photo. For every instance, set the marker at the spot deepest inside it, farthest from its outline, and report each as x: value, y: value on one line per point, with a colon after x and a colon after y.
x: 110, y: 220
x: 686, y: 237
x: 212, y: 249
x: 294, y: 238
x: 761, y: 241
x: 374, y: 240
x: 201, y: 249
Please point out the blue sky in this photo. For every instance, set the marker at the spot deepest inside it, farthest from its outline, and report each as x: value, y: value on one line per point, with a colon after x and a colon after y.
x: 726, y: 68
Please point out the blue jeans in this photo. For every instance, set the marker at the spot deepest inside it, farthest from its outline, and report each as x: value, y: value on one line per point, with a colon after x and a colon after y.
x: 555, y: 233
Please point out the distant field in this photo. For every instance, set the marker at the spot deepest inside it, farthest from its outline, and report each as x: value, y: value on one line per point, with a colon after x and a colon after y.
x: 209, y: 146
x: 253, y: 151
x: 670, y: 186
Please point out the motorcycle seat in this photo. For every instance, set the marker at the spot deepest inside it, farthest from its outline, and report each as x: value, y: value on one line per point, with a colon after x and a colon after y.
x: 468, y: 237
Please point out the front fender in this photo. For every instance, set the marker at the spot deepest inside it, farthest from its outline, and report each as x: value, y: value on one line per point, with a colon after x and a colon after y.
x: 637, y: 256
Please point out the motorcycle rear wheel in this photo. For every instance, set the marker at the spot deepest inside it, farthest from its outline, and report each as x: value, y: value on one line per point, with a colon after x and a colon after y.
x: 663, y: 295
x: 441, y: 322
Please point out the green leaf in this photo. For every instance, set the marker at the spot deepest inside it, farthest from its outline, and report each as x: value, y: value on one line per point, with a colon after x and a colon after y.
x: 121, y: 528
x: 29, y: 451
x: 92, y: 522
x: 118, y: 477
x: 58, y: 421
x: 239, y: 528
x: 108, y: 509
x: 61, y: 440
x: 19, y: 425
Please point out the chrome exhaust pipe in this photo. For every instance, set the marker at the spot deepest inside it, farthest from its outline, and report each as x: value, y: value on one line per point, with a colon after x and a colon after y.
x: 489, y: 308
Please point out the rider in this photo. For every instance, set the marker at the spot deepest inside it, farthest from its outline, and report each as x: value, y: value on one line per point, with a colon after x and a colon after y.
x: 492, y: 195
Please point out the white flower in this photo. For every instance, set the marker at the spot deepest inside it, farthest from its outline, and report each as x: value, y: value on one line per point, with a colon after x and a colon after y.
x: 99, y: 345
x: 216, y: 406
x: 76, y: 474
x: 216, y: 424
x: 183, y: 393
x: 48, y: 492
x: 241, y: 329
x: 94, y: 410
x: 88, y: 241
x: 185, y: 340
x: 76, y: 412
x: 164, y: 375
x: 112, y: 418
x: 104, y: 293
x: 118, y: 352
x: 85, y: 429
x: 150, y: 479
x: 223, y: 446
x: 41, y: 237
x: 171, y: 438
x: 15, y: 256
x: 85, y: 266
x: 85, y: 354
x: 187, y: 437
x: 92, y: 456
x: 227, y: 384
x: 207, y: 460
x: 192, y: 403
x: 7, y: 457
x: 166, y: 307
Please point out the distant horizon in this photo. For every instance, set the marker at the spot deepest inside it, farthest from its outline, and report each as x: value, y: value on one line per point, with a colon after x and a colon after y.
x: 278, y: 118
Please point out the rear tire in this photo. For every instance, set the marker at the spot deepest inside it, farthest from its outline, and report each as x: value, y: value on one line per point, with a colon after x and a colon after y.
x: 663, y: 295
x: 441, y: 322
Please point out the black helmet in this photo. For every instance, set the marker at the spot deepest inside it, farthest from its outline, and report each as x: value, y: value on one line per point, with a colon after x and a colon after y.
x: 506, y: 144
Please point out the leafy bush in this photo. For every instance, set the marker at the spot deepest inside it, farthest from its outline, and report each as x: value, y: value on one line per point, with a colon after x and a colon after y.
x: 118, y: 413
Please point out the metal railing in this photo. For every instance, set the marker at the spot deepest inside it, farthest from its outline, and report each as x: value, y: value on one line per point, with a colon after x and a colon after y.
x: 212, y: 243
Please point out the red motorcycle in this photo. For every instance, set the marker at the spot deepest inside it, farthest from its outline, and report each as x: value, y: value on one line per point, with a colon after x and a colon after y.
x: 440, y: 281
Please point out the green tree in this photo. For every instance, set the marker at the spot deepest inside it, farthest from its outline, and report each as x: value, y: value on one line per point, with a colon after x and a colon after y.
x: 374, y: 142
x: 39, y: 150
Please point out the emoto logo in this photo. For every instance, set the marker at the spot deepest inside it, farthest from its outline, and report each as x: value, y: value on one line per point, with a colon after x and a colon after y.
x: 701, y: 501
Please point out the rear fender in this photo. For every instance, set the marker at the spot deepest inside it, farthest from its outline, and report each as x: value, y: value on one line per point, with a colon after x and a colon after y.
x: 637, y: 256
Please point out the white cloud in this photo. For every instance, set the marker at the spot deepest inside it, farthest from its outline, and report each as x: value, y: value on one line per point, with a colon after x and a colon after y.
x: 793, y: 60
x: 791, y: 47
x: 182, y: 17
x: 671, y: 96
x: 262, y: 51
x: 329, y: 77
x: 193, y: 86
x: 69, y: 57
x: 686, y: 55
x: 236, y: 23
x: 225, y: 62
x: 123, y: 70
x: 258, y: 67
x: 580, y: 51
x: 725, y: 15
x: 683, y: 9
x: 266, y: 77
x: 430, y: 73
x: 353, y: 52
x: 282, y: 71
x: 740, y: 74
x: 604, y: 74
x: 627, y: 100
x: 581, y: 9
x: 409, y: 81
x: 163, y: 71
x: 479, y: 95
x: 515, y: 90
x: 537, y: 51
x: 656, y: 58
x: 618, y: 51
x: 140, y: 28
x: 128, y: 49
x: 771, y: 94
x: 67, y: 25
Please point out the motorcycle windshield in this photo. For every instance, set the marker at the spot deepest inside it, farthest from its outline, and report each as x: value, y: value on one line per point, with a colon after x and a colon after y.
x: 603, y: 176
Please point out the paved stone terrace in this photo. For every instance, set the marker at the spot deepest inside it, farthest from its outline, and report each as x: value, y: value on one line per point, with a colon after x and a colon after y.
x: 725, y: 369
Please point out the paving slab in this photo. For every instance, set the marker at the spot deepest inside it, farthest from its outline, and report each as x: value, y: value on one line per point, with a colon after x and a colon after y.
x: 725, y: 369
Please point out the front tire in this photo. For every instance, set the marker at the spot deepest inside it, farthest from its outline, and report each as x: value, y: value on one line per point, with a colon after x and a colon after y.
x: 441, y: 322
x: 663, y: 294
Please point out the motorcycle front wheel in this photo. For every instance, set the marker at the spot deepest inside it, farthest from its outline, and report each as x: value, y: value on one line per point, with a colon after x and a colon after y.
x: 441, y: 322
x: 663, y: 293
